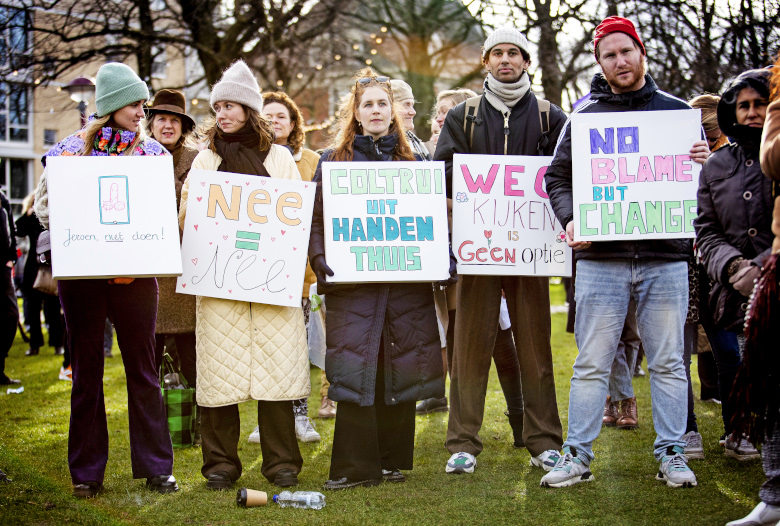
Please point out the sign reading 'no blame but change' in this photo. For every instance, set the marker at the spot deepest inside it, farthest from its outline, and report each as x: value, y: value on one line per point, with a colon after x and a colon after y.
x: 502, y: 221
x: 385, y: 221
x: 112, y: 217
x: 633, y: 175
x: 246, y: 237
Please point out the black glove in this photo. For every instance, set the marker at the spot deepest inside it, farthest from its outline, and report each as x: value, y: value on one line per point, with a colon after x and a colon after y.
x: 321, y: 270
x: 453, y: 279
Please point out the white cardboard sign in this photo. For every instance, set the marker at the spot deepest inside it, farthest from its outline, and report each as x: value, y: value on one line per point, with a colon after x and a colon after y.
x: 502, y: 221
x: 385, y: 221
x: 246, y: 237
x: 633, y: 176
x: 113, y: 217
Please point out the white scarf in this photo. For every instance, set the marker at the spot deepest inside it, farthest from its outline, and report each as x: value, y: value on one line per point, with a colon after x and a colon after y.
x: 504, y: 96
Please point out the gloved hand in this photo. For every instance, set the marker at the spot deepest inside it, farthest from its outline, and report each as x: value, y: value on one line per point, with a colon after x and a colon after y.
x: 322, y: 271
x: 743, y: 279
x: 453, y: 272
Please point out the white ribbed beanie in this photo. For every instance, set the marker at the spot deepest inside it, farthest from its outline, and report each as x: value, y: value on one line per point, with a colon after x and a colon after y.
x: 238, y: 84
x: 505, y: 35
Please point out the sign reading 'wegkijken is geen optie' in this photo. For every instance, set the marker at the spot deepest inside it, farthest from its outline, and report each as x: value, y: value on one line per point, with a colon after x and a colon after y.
x: 385, y: 221
x: 633, y: 175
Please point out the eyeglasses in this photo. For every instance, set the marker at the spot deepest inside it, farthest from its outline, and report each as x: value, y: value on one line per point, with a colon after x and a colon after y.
x: 380, y: 79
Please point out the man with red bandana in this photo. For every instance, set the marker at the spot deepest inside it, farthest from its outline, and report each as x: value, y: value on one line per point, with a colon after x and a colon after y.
x: 654, y: 273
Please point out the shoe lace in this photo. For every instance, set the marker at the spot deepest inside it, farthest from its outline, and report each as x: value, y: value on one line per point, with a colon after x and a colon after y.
x: 564, y: 461
x: 678, y: 462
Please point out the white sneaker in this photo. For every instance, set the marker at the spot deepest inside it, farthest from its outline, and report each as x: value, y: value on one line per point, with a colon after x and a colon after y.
x: 694, y: 448
x: 567, y: 471
x: 66, y: 373
x: 741, y: 449
x: 460, y: 463
x: 674, y: 469
x: 762, y: 515
x: 254, y: 436
x: 304, y: 429
x: 546, y: 459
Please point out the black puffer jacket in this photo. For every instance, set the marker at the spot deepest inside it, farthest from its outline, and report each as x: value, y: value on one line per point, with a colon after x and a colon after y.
x: 735, y: 205
x: 559, y: 176
x: 401, y: 315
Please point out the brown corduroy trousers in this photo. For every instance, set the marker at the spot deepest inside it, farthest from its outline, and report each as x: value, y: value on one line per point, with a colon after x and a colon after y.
x: 476, y: 326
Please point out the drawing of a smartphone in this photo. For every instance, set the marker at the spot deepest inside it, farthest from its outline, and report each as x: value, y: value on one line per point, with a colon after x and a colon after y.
x: 114, y: 205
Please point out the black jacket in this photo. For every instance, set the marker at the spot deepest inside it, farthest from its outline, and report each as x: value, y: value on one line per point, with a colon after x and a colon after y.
x: 559, y: 176
x: 400, y: 315
x: 29, y: 226
x: 525, y: 132
x: 735, y: 208
x: 7, y: 232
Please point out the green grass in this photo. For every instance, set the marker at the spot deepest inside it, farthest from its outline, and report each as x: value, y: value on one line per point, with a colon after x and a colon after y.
x: 503, y: 490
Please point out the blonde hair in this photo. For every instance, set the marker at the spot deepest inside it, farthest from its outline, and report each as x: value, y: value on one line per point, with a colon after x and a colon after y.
x: 28, y: 203
x: 349, y: 126
x: 93, y: 127
x: 456, y: 95
x: 708, y: 104
x: 262, y: 126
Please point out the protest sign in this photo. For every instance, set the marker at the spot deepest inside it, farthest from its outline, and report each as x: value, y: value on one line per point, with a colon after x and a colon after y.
x: 502, y: 221
x: 246, y: 237
x: 112, y: 217
x: 633, y: 175
x: 385, y: 221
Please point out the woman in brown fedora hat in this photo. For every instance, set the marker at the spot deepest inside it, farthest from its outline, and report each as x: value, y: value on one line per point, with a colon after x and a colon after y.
x: 174, y: 129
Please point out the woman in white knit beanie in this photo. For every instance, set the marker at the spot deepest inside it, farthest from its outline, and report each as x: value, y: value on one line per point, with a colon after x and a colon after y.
x: 246, y: 351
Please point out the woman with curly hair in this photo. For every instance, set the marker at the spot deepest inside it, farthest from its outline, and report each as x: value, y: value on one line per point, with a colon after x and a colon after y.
x: 382, y: 340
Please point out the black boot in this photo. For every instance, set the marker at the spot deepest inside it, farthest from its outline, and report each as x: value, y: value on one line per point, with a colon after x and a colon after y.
x: 516, y: 421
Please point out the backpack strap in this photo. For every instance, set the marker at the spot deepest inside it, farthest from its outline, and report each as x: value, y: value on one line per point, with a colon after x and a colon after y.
x: 472, y: 110
x: 544, y: 121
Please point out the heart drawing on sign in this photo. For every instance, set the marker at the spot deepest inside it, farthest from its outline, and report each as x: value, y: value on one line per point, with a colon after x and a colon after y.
x: 227, y: 182
x: 290, y: 297
x: 247, y: 183
x: 230, y: 291
x: 183, y: 285
x: 283, y: 232
x: 199, y: 199
x: 273, y: 239
x: 195, y: 261
x: 210, y: 242
x: 196, y: 227
x: 224, y: 237
x: 262, y: 181
x: 203, y: 183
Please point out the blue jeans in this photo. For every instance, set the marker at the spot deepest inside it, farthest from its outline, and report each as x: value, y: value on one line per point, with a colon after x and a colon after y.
x: 603, y: 290
x: 620, y: 386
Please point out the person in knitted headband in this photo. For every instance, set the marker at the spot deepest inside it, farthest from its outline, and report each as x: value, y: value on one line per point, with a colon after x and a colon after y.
x: 238, y: 84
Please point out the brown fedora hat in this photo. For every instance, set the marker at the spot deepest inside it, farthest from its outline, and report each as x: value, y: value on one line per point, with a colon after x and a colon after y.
x: 171, y: 101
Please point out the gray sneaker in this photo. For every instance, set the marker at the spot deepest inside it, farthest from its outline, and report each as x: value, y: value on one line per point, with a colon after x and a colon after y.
x: 694, y: 449
x: 741, y: 449
x: 674, y: 469
x: 569, y: 470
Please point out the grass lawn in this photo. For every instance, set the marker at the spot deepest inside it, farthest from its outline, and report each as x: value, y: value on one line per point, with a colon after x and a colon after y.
x: 503, y: 490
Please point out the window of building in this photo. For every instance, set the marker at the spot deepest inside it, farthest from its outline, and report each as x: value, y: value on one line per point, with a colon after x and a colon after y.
x: 14, y: 113
x: 14, y: 39
x: 16, y: 180
x: 159, y: 62
x: 49, y: 137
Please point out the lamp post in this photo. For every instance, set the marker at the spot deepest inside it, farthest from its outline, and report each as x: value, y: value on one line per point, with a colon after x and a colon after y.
x: 81, y: 90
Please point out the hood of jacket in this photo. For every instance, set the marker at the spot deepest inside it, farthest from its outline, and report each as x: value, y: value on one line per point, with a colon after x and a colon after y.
x: 601, y: 91
x: 758, y: 79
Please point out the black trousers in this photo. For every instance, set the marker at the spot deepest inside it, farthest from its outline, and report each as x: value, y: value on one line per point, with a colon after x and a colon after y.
x: 51, y: 309
x: 369, y: 439
x: 220, y: 429
x: 9, y: 317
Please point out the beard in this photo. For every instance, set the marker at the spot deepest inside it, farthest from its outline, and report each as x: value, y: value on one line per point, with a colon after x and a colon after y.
x: 628, y: 83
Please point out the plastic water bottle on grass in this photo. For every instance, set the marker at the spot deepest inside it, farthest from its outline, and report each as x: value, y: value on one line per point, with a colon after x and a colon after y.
x: 300, y: 499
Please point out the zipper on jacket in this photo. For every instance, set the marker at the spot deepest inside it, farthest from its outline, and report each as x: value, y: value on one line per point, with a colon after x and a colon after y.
x: 506, y: 132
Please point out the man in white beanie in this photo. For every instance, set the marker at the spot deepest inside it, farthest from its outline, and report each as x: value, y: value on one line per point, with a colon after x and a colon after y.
x: 507, y: 120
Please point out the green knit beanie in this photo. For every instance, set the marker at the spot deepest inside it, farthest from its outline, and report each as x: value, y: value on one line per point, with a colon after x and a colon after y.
x: 117, y: 86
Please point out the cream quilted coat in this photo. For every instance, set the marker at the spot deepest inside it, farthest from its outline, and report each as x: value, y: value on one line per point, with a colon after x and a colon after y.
x: 248, y: 351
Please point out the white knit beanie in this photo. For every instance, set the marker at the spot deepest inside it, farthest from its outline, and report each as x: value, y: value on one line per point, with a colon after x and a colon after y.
x: 238, y: 85
x: 505, y: 35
